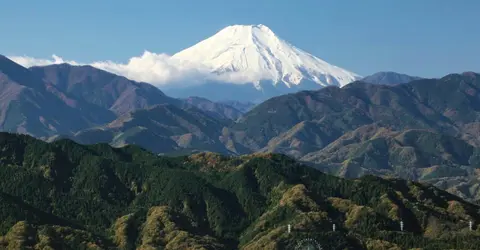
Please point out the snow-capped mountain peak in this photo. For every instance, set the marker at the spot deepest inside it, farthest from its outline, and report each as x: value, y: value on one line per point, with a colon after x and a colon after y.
x: 254, y: 53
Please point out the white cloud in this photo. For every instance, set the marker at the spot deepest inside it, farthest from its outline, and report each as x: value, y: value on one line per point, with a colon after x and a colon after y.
x: 157, y: 69
x: 27, y: 61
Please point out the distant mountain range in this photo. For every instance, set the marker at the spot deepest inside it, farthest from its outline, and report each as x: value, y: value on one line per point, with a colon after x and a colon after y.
x: 424, y: 130
x: 161, y: 128
x: 64, y: 99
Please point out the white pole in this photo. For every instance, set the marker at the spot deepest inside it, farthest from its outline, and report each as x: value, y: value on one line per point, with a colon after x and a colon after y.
x: 470, y: 224
x: 334, y: 227
x: 401, y: 225
x: 289, y: 228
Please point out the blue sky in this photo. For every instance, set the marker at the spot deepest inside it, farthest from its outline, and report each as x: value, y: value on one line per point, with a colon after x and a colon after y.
x: 420, y: 37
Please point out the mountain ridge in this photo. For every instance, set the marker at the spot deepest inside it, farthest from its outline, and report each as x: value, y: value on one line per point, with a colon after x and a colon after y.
x: 389, y: 78
x: 102, y: 88
x: 34, y: 106
x: 60, y: 100
x: 297, y: 125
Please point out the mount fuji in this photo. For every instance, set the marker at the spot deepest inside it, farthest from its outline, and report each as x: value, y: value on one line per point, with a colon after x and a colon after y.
x: 251, y: 63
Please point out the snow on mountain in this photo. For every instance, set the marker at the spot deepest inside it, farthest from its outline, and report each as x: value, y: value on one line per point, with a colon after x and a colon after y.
x: 253, y: 53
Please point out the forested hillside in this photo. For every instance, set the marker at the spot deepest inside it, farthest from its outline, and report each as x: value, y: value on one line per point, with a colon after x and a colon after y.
x: 64, y: 195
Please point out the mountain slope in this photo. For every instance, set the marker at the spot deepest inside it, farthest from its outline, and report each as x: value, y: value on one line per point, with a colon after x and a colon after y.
x: 31, y: 105
x: 102, y: 89
x: 389, y: 78
x: 447, y: 105
x: 218, y: 110
x: 64, y: 195
x: 243, y: 107
x: 250, y: 63
x: 447, y: 162
x: 161, y: 129
x: 61, y: 100
x: 381, y: 151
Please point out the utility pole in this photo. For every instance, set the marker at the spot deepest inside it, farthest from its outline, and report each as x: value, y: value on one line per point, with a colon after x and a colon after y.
x: 333, y: 227
x: 470, y: 225
x: 401, y: 225
x: 289, y: 228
